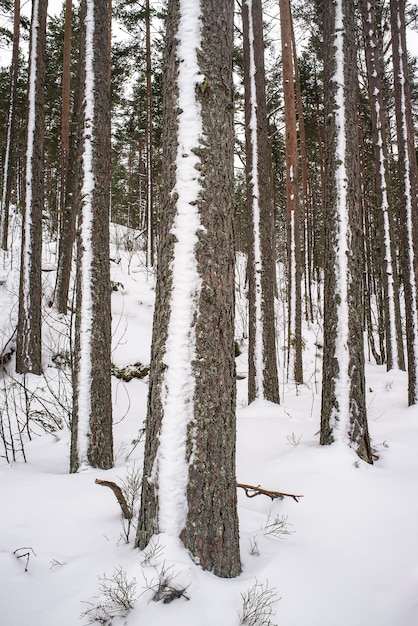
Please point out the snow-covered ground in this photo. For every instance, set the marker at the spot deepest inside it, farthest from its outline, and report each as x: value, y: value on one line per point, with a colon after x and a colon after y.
x: 346, y: 554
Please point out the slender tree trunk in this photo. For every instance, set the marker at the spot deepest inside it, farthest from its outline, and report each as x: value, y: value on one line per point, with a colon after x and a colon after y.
x: 262, y: 374
x: 306, y: 259
x: 389, y: 274
x: 409, y: 183
x: 28, y: 343
x: 61, y: 294
x: 70, y: 168
x: 8, y: 157
x: 292, y: 195
x: 150, y: 216
x: 343, y: 411
x: 189, y: 484
x: 65, y: 104
x: 92, y: 441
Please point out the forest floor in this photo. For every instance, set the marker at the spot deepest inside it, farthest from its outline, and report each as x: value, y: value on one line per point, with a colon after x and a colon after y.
x: 345, y: 554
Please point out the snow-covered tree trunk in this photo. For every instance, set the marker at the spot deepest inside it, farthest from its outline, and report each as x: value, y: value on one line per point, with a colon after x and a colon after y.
x: 69, y: 178
x: 71, y: 199
x: 189, y: 483
x: 28, y: 342
x: 262, y: 360
x: 149, y: 204
x: 292, y: 196
x: 8, y: 161
x: 409, y: 185
x: 61, y: 292
x: 389, y: 274
x: 92, y: 440
x: 343, y: 411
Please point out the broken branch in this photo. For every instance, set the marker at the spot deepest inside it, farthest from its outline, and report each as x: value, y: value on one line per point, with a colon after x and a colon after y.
x: 126, y: 510
x: 251, y: 491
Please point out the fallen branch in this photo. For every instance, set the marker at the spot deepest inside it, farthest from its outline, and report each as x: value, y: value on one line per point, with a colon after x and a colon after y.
x: 251, y: 491
x: 126, y: 510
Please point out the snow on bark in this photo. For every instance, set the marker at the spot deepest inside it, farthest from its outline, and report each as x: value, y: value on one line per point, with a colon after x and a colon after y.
x: 384, y: 207
x: 258, y: 262
x: 340, y: 420
x: 150, y: 244
x: 387, y: 243
x: 171, y: 469
x: 292, y: 278
x: 7, y: 163
x: 27, y: 224
x: 86, y: 305
x: 408, y: 199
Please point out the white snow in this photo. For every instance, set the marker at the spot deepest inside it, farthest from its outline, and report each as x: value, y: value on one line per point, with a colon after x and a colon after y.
x: 84, y: 374
x: 351, y: 558
x: 171, y: 468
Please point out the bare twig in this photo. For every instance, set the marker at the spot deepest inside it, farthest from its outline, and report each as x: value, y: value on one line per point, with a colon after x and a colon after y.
x: 24, y: 554
x: 251, y: 491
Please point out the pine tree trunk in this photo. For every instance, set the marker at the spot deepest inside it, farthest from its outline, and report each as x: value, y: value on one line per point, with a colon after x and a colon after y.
x: 189, y: 484
x: 61, y: 294
x: 387, y: 262
x: 28, y: 344
x: 92, y: 440
x: 343, y: 411
x: 70, y: 195
x: 262, y: 365
x: 409, y: 184
x: 292, y: 183
x: 306, y: 266
x: 8, y: 157
x: 149, y: 211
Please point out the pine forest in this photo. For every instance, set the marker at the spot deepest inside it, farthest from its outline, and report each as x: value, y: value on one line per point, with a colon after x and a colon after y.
x: 209, y: 306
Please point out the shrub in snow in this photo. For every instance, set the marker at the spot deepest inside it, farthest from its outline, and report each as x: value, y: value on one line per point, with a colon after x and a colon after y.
x: 117, y: 598
x: 257, y: 605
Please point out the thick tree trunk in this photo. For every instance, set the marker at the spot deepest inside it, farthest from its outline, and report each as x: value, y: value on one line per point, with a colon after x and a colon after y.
x: 92, y: 441
x: 262, y: 366
x: 343, y: 412
x: 189, y: 484
x: 28, y: 344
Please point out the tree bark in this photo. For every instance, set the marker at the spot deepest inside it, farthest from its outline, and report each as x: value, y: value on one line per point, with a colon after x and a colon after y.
x: 92, y: 440
x: 70, y: 192
x: 28, y: 342
x: 292, y: 195
x: 149, y: 210
x: 408, y: 175
x: 262, y: 360
x: 343, y: 410
x: 387, y: 265
x: 9, y: 154
x: 190, y: 428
